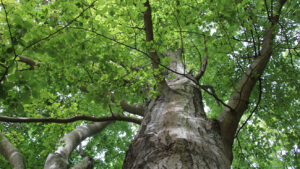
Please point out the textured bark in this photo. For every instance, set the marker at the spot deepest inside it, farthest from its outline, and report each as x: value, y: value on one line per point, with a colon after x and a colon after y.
x: 175, y: 132
x: 11, y: 154
x: 59, y: 160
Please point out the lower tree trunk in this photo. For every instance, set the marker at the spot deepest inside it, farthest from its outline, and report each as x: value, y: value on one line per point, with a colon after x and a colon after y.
x: 175, y: 133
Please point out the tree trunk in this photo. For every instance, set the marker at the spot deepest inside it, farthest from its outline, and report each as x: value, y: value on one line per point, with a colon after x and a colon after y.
x: 176, y: 133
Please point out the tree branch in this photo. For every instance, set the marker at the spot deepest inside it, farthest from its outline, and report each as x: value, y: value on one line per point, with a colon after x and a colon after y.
x: 149, y: 33
x: 213, y: 93
x: 70, y: 141
x: 252, y: 112
x: 203, y: 67
x: 11, y: 154
x: 149, y: 38
x: 69, y: 120
x: 28, y: 61
x: 137, y: 109
x: 239, y: 101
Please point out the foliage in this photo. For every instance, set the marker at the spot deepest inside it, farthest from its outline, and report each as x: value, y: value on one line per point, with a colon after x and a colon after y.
x: 100, y: 48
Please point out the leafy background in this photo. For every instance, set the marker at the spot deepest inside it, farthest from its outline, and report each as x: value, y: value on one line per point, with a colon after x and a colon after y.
x: 99, y: 49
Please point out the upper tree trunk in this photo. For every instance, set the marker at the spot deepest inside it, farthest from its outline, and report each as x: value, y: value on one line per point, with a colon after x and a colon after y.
x: 175, y: 133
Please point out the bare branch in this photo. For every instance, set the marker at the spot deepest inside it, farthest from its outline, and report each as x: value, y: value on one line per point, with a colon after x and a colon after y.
x: 11, y: 154
x: 70, y: 141
x: 69, y: 120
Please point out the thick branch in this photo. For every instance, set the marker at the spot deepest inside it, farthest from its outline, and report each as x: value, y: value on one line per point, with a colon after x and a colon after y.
x: 69, y: 120
x: 137, y: 109
x: 11, y: 154
x: 28, y: 61
x: 239, y: 100
x: 252, y: 112
x: 149, y: 38
x: 149, y: 33
x: 59, y: 160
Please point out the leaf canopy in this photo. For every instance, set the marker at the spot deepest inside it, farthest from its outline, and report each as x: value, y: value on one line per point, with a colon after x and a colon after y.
x: 85, y: 52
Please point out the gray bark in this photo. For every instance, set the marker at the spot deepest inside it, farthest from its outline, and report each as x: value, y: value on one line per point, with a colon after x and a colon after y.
x: 59, y: 160
x: 175, y: 132
x: 11, y: 154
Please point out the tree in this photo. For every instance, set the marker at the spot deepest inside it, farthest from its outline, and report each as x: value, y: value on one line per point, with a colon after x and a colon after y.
x: 202, y: 84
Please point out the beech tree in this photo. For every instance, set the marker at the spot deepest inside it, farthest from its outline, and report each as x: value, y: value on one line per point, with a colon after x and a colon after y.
x: 149, y: 84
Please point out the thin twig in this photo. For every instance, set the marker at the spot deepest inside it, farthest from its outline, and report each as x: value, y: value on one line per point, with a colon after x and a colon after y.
x: 198, y: 51
x: 267, y: 9
x: 69, y: 120
x: 203, y: 67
